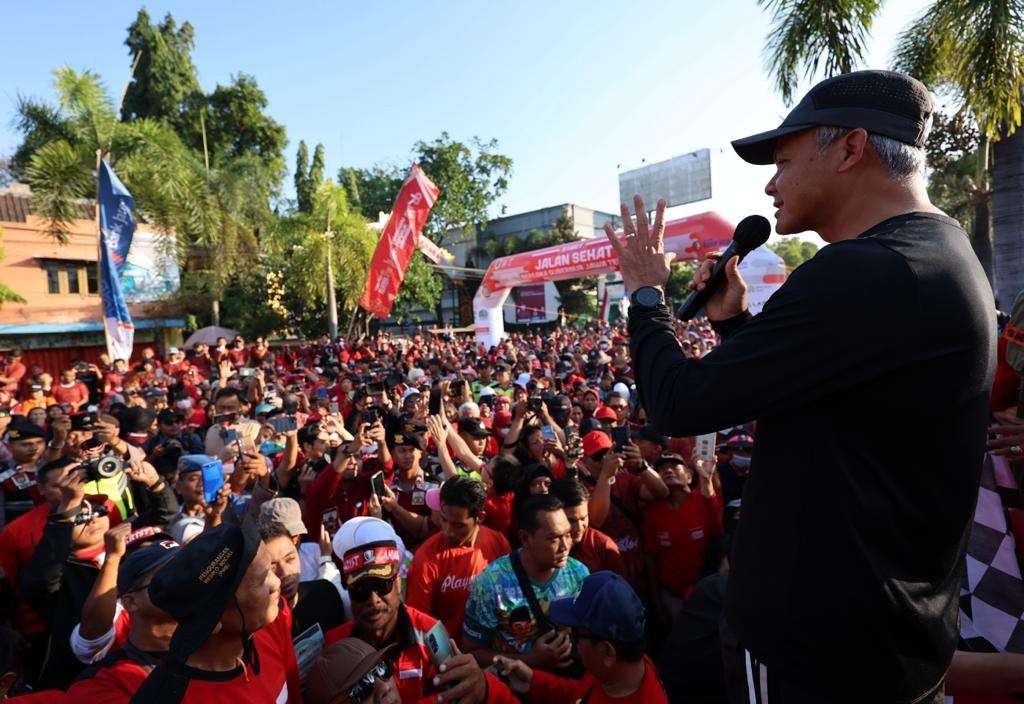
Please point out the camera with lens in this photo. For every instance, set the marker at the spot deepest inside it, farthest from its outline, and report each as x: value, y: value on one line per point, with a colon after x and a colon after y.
x: 534, y: 403
x: 103, y: 467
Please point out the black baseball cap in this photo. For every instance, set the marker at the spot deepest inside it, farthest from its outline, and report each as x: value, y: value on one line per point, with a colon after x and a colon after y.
x: 166, y: 416
x: 474, y: 427
x: 134, y: 568
x: 888, y: 103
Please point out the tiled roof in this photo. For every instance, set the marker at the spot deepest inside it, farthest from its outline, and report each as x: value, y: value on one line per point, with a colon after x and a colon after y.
x: 15, y: 207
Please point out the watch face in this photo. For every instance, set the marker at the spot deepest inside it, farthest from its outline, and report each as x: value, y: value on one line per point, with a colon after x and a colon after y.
x: 648, y: 296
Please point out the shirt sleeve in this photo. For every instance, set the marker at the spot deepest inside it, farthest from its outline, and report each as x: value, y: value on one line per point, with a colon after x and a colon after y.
x: 420, y: 585
x: 90, y: 651
x: 838, y: 320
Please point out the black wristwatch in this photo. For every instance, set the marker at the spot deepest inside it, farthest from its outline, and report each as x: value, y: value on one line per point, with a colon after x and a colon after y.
x: 647, y: 297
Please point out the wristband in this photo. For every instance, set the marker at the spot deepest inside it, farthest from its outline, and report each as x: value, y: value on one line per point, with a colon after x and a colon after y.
x: 158, y: 486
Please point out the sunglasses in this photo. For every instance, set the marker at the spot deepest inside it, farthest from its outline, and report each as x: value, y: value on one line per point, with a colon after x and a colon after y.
x: 363, y: 689
x: 360, y: 591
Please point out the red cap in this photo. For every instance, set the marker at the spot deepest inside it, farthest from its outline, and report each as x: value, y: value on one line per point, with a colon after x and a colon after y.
x: 595, y: 441
x: 605, y: 413
x: 502, y: 419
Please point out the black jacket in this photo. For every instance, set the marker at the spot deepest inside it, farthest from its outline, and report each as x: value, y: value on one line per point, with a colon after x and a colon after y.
x: 868, y: 373
x: 56, y: 583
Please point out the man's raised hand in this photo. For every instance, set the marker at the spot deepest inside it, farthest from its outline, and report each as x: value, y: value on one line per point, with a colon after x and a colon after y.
x: 641, y: 250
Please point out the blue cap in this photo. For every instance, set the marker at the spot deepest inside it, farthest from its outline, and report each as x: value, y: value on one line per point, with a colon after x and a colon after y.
x: 134, y: 568
x: 606, y: 606
x: 195, y: 463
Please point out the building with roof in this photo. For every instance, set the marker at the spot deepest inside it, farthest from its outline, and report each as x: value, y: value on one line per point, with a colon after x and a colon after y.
x: 62, y: 316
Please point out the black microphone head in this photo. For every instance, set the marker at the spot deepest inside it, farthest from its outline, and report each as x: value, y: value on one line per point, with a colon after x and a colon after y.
x: 752, y: 232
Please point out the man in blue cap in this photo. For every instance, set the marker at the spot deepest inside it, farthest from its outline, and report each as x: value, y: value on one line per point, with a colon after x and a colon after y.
x: 607, y: 622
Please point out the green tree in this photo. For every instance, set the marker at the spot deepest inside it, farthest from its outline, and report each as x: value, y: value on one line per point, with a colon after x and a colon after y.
x: 793, y: 251
x: 165, y: 82
x: 237, y: 125
x: 7, y: 295
x: 297, y: 250
x: 372, y: 190
x: 972, y: 50
x: 678, y: 281
x: 303, y: 193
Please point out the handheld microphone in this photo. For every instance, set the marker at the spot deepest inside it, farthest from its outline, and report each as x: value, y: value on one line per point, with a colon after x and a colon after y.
x: 751, y: 233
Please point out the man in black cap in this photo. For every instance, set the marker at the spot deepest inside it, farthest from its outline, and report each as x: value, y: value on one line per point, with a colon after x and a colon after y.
x: 171, y: 440
x: 892, y: 324
x: 232, y: 642
x: 27, y: 444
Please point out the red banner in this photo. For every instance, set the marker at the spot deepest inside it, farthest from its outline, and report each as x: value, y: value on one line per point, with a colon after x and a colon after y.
x: 398, y: 241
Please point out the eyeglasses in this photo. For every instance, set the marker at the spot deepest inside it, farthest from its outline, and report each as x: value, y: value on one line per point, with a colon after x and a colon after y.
x: 364, y: 687
x: 598, y: 456
x: 360, y: 591
x: 618, y: 408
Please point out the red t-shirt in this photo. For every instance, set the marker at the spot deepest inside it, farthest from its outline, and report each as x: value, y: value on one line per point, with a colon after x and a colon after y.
x: 498, y: 511
x: 413, y: 500
x: 440, y: 576
x: 336, y: 500
x: 17, y: 545
x: 76, y: 394
x: 277, y: 681
x: 678, y: 538
x: 552, y: 688
x: 13, y: 371
x: 413, y: 668
x: 238, y: 357
x: 622, y: 525
x: 598, y: 552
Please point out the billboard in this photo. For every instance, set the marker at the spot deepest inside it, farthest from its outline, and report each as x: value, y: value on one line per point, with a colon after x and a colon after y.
x: 151, y: 271
x: 679, y: 180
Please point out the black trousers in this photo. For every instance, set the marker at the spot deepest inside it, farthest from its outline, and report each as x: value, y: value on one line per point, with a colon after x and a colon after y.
x: 748, y: 681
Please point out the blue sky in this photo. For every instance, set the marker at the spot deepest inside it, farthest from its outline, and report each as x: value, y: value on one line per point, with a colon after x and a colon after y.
x: 571, y: 89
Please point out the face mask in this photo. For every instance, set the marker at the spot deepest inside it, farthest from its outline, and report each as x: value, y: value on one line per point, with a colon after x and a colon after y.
x: 740, y: 462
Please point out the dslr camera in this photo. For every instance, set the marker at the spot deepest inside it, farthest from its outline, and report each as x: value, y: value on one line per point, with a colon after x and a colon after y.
x: 103, y: 467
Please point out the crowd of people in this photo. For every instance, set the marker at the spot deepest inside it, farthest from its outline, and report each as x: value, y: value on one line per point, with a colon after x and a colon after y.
x: 394, y: 518
x: 389, y: 519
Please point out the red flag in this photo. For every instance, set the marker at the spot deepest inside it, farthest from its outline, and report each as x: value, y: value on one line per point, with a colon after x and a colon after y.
x: 398, y: 241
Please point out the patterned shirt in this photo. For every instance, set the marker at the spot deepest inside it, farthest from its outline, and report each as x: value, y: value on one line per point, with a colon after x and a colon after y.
x: 497, y: 614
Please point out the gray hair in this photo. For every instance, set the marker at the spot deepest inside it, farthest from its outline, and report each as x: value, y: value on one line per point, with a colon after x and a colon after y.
x: 469, y: 410
x: 903, y: 161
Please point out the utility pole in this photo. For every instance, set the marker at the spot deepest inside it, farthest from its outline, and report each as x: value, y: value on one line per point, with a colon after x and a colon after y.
x: 332, y: 304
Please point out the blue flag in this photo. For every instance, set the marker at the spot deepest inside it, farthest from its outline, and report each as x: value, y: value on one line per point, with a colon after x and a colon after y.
x: 117, y: 227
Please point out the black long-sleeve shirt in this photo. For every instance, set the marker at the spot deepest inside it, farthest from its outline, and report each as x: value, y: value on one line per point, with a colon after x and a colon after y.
x: 868, y: 372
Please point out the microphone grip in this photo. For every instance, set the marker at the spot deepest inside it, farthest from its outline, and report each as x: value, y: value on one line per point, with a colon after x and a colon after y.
x: 696, y: 301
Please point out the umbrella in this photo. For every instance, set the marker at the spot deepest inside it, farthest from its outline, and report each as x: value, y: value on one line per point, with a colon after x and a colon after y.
x: 208, y: 335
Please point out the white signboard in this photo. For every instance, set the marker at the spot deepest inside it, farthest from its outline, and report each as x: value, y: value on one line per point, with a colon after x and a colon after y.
x: 679, y: 180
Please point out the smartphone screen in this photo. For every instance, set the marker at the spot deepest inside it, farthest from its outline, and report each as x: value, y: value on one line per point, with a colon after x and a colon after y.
x: 377, y: 482
x: 706, y: 447
x: 438, y: 645
x: 333, y: 407
x: 329, y: 518
x: 620, y: 436
x: 213, y: 480
x: 547, y: 432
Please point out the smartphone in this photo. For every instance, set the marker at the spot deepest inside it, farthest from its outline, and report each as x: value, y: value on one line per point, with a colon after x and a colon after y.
x: 373, y: 388
x: 706, y: 447
x: 246, y: 372
x: 213, y: 480
x: 229, y: 435
x: 547, y: 432
x: 321, y: 392
x: 370, y: 416
x: 438, y: 644
x: 332, y: 407
x: 620, y: 437
x: 434, y: 402
x: 377, y: 483
x: 282, y: 423
x: 225, y: 418
x: 533, y: 404
x: 330, y: 521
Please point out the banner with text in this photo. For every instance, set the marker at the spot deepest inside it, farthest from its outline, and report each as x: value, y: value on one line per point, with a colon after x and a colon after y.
x: 398, y: 241
x: 117, y: 227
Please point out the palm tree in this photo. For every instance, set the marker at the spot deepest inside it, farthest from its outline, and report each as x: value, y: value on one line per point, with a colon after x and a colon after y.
x: 214, y: 215
x: 970, y: 49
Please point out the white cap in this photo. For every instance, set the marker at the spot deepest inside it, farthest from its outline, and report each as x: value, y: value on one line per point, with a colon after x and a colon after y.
x: 622, y: 390
x: 485, y: 391
x: 523, y: 379
x: 173, y: 350
x: 363, y: 530
x: 415, y: 374
x: 409, y: 392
